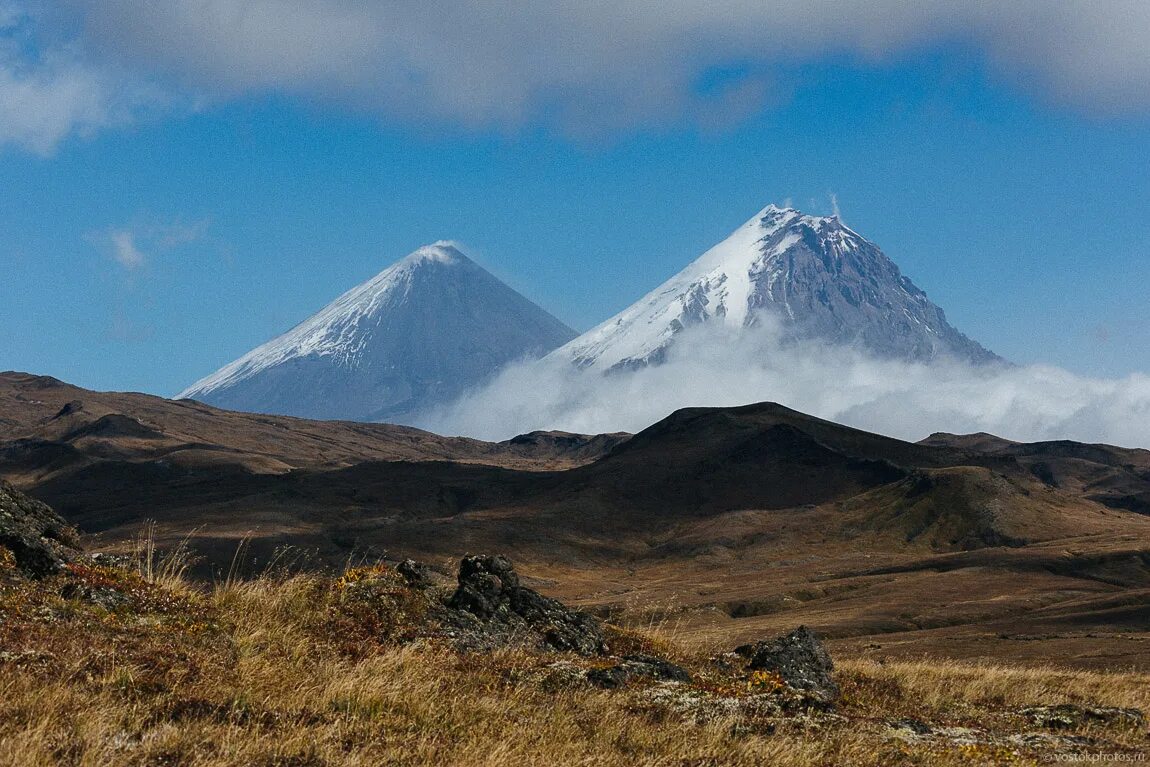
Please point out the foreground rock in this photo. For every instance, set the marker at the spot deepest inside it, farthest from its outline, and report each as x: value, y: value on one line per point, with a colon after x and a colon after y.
x: 41, y: 542
x: 491, y: 608
x: 799, y: 659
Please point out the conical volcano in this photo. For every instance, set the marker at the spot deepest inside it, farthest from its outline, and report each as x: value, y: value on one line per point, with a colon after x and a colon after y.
x: 814, y: 275
x: 419, y: 333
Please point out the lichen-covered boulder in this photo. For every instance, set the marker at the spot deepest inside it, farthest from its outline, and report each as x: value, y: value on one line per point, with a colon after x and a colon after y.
x: 799, y: 659
x: 493, y: 608
x: 40, y: 541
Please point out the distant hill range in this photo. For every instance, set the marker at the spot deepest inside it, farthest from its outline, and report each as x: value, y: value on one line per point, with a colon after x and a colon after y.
x: 746, y: 519
x: 418, y: 334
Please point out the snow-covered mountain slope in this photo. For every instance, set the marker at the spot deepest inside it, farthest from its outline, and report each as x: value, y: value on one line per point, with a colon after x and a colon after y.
x: 821, y: 279
x: 419, y: 333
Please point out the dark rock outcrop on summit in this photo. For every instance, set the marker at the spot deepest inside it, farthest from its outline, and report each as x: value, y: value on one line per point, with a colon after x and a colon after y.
x: 492, y: 608
x: 40, y: 541
x: 799, y: 659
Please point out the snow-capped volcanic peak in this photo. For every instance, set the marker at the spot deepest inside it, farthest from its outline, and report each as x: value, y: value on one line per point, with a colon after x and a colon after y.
x: 821, y: 278
x: 432, y: 323
x: 341, y: 330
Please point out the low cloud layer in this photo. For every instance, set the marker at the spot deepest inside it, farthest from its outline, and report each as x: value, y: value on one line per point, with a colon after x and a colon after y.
x: 584, y: 66
x: 710, y: 367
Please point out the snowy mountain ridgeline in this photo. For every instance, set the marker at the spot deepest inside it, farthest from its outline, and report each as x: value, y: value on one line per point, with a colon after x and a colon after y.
x: 436, y: 325
x: 420, y: 333
x: 819, y: 278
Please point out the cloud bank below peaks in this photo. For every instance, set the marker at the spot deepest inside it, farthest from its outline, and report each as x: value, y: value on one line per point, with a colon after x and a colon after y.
x: 709, y: 366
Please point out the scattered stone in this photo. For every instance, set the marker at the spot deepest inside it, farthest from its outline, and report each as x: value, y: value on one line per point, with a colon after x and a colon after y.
x: 41, y: 542
x: 559, y: 675
x: 417, y: 574
x: 757, y: 713
x: 490, y: 608
x: 26, y: 658
x: 1068, y: 716
x: 105, y: 559
x: 1045, y: 741
x: 913, y: 726
x: 101, y: 596
x: 914, y: 731
x: 632, y: 667
x: 799, y: 658
x: 702, y: 707
x: 728, y: 662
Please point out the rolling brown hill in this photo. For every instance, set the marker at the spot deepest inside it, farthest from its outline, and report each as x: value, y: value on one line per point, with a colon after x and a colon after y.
x: 1117, y: 477
x: 47, y: 426
x: 727, y: 521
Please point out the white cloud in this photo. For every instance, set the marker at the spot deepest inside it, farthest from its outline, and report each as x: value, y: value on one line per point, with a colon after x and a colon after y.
x: 594, y: 64
x: 124, y: 250
x: 48, y: 93
x: 584, y: 66
x: 709, y: 367
x: 133, y: 246
x: 38, y: 108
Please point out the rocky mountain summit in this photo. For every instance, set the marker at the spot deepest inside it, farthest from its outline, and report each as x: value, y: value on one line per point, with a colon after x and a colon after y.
x: 815, y: 276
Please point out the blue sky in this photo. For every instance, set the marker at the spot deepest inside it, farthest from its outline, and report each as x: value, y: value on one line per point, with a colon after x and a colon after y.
x: 162, y: 212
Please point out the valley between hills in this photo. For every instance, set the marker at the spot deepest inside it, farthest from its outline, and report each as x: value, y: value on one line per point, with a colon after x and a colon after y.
x: 716, y: 522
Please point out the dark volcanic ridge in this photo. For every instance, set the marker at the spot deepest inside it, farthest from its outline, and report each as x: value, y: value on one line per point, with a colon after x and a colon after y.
x: 749, y: 520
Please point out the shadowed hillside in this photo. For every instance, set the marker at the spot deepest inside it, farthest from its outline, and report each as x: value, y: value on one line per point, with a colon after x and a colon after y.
x: 731, y: 520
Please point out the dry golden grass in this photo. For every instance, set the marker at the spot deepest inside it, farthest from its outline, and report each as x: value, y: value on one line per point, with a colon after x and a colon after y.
x: 292, y: 672
x: 939, y: 684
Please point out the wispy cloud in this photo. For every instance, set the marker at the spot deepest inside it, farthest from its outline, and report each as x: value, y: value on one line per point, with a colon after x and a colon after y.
x: 133, y: 246
x: 709, y: 366
x: 124, y: 250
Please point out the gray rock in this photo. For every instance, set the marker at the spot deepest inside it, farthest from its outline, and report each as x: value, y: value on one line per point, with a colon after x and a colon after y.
x: 40, y: 540
x: 415, y: 573
x: 105, y: 597
x: 632, y: 667
x: 799, y: 658
x: 491, y: 608
x: 912, y: 726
